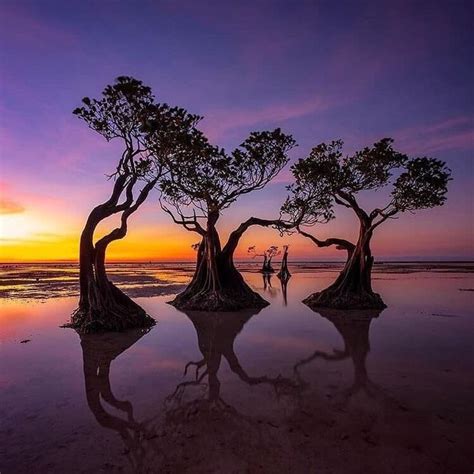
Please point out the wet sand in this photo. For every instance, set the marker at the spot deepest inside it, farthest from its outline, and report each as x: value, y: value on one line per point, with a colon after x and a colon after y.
x: 283, y: 390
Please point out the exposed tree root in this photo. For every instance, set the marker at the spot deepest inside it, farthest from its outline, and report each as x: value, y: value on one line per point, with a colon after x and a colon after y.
x: 111, y: 310
x: 331, y: 298
x: 224, y: 300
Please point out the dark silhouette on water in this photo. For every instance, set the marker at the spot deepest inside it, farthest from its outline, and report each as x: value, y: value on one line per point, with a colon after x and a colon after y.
x: 326, y: 177
x: 210, y: 182
x: 353, y: 326
x: 204, y: 433
x: 267, y: 255
x: 126, y: 112
x: 284, y: 290
x: 216, y: 333
x: 284, y: 274
x: 180, y: 431
x: 267, y: 285
x: 98, y: 352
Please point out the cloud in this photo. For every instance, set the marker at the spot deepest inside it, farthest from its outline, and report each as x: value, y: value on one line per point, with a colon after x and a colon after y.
x: 21, y: 27
x: 7, y: 206
x: 452, y: 134
x: 218, y: 123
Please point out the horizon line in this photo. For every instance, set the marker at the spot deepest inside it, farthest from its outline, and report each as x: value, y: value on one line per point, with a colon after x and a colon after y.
x: 380, y: 261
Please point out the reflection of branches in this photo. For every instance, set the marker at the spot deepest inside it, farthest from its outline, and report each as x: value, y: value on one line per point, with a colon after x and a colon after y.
x: 284, y: 290
x: 216, y: 337
x: 267, y: 285
x: 267, y: 255
x: 353, y: 326
x: 99, y: 350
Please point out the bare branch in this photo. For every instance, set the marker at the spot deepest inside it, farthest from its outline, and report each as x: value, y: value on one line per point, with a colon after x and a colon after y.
x: 341, y: 244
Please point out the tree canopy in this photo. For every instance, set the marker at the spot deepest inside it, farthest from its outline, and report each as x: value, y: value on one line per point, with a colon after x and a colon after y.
x: 327, y: 177
x: 210, y: 180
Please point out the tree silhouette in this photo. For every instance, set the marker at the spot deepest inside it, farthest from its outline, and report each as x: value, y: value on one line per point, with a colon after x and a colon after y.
x: 267, y: 255
x: 216, y: 335
x: 284, y: 274
x: 148, y: 133
x: 99, y: 350
x: 353, y: 326
x: 326, y: 178
x: 199, y: 187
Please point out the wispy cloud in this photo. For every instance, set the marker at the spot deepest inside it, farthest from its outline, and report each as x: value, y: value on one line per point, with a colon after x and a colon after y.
x: 8, y: 206
x: 218, y: 123
x: 452, y: 134
x: 20, y: 26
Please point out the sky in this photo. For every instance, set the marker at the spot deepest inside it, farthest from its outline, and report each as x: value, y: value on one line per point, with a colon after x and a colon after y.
x: 320, y: 70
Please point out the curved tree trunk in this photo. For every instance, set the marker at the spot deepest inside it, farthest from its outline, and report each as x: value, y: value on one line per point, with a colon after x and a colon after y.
x: 265, y: 264
x: 103, y: 306
x: 284, y: 274
x: 353, y: 287
x: 217, y: 285
x: 267, y: 268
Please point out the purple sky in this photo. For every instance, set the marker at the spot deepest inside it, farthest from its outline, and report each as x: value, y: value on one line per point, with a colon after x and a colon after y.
x: 323, y: 70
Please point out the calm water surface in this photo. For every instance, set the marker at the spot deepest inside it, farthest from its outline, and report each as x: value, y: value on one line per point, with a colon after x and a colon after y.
x: 282, y: 390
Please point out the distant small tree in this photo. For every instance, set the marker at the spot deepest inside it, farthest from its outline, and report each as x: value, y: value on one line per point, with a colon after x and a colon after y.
x: 199, y: 187
x: 284, y: 274
x: 267, y: 255
x: 126, y: 113
x: 326, y: 178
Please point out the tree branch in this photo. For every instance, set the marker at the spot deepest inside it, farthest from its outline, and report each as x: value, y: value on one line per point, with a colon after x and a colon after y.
x: 340, y: 243
x: 235, y: 236
x: 353, y: 204
x: 189, y: 223
x: 384, y: 216
x: 121, y: 232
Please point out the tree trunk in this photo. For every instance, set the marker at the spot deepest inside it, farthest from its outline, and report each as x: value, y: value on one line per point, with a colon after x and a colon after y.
x: 105, y: 307
x: 353, y: 287
x: 102, y: 306
x: 284, y: 274
x: 216, y: 284
x: 267, y: 265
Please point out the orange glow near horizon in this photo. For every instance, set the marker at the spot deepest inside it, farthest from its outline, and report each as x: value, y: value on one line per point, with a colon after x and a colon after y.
x: 39, y: 228
x: 170, y: 243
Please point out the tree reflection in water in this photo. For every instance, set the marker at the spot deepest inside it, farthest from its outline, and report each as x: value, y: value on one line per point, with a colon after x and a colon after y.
x: 98, y: 351
x: 202, y: 433
x: 353, y: 326
x: 216, y: 334
x: 183, y: 433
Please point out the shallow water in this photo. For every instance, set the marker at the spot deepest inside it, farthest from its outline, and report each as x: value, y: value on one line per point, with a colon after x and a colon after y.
x: 286, y: 390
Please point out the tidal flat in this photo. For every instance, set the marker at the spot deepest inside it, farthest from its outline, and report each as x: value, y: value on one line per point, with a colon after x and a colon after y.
x: 279, y: 390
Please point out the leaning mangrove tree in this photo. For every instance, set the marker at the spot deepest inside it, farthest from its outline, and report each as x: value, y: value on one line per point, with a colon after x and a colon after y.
x: 195, y: 193
x: 125, y: 113
x: 326, y: 179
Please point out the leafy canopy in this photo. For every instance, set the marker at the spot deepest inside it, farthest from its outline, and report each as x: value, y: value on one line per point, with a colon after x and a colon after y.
x: 210, y: 179
x: 327, y: 177
x: 151, y: 132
